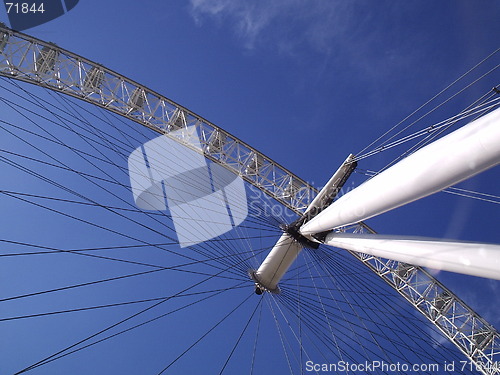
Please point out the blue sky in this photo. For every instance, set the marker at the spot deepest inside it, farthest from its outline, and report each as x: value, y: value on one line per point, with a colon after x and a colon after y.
x: 308, y: 82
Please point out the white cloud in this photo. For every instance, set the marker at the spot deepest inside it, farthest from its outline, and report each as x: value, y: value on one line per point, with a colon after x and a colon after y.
x: 287, y: 23
x: 318, y: 34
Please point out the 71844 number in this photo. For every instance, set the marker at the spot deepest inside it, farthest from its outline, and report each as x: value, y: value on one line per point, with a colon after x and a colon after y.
x: 24, y: 8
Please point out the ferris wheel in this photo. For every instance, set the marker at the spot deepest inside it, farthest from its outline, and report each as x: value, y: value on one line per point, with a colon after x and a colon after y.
x: 120, y: 254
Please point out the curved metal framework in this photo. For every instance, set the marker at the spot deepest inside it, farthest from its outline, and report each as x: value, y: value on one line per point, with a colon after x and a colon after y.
x: 473, y: 335
x: 45, y: 64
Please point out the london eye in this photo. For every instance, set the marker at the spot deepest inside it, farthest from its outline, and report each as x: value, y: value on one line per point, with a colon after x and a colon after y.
x: 120, y: 257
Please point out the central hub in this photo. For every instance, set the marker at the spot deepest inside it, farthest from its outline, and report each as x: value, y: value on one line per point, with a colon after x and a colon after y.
x: 293, y: 230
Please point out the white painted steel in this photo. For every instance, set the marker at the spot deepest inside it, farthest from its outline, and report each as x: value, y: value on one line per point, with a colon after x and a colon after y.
x: 287, y: 249
x: 464, y: 153
x: 331, y: 186
x: 277, y: 262
x: 468, y: 258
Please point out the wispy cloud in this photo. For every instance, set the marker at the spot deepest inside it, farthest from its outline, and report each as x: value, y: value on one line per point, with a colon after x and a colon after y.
x: 290, y: 24
x: 318, y: 33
